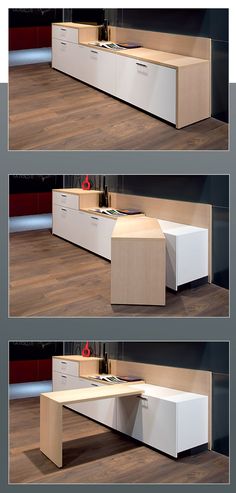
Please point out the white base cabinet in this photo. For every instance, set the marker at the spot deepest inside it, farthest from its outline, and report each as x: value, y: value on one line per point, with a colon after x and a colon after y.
x: 186, y: 253
x: 168, y: 420
x: 89, y: 231
x: 164, y: 424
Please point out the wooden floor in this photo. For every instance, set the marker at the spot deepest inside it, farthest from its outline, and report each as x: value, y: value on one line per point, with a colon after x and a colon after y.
x: 52, y: 277
x: 93, y: 453
x: 50, y: 110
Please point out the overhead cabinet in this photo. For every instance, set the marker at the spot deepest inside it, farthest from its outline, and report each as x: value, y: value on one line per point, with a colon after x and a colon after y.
x: 179, y: 94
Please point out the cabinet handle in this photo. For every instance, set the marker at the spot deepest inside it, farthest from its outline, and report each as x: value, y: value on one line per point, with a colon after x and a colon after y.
x: 63, y: 43
x: 141, y: 64
x: 96, y: 218
x: 63, y: 29
x: 63, y: 194
x: 63, y: 376
x: 93, y: 51
x: 65, y: 210
x: 94, y: 384
x: 64, y: 362
x: 142, y: 398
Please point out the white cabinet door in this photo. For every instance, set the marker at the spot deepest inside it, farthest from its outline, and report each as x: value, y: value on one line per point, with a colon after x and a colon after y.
x: 64, y: 56
x: 64, y: 223
x: 97, y: 233
x: 146, y: 85
x: 150, y: 420
x: 66, y: 200
x: 65, y: 33
x: 101, y: 69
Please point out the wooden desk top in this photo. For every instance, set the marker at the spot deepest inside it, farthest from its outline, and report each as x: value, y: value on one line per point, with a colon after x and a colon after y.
x: 76, y: 191
x: 143, y: 227
x: 171, y: 60
x: 81, y: 395
x: 77, y: 358
x: 75, y: 25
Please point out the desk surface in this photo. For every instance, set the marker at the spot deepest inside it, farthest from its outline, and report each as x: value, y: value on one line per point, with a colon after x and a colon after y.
x: 171, y: 60
x: 75, y: 25
x: 80, y: 395
x: 140, y: 227
x: 76, y: 191
x: 77, y: 358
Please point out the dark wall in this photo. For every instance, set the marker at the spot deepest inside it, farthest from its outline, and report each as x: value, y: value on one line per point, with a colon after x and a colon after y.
x: 208, y: 189
x: 88, y: 15
x: 209, y: 23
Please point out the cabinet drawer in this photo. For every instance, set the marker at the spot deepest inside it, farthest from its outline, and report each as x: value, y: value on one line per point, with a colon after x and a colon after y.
x: 63, y: 381
x: 65, y: 223
x: 65, y: 33
x: 66, y: 199
x: 66, y: 367
x: 97, y: 236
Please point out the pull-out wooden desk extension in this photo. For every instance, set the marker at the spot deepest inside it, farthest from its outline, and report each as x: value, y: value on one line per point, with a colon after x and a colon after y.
x: 138, y: 267
x: 51, y: 404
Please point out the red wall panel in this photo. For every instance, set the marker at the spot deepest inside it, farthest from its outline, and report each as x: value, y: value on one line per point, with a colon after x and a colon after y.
x: 30, y: 371
x: 23, y: 204
x: 23, y: 38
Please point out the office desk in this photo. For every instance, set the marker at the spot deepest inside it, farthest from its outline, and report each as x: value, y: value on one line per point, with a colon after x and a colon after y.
x: 167, y: 419
x: 51, y: 404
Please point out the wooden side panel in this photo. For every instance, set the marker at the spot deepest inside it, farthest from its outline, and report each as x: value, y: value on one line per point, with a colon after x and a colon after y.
x: 193, y: 46
x: 196, y: 381
x: 88, y: 367
x: 194, y: 214
x: 138, y: 271
x: 87, y: 200
x: 51, y: 429
x: 88, y: 34
x: 193, y: 94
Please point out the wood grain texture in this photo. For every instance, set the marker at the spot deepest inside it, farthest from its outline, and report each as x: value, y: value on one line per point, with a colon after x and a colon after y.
x: 138, y: 267
x: 193, y: 94
x: 192, y: 46
x: 196, y: 381
x: 41, y: 284
x: 51, y: 429
x: 193, y: 214
x: 89, y: 449
x: 51, y: 111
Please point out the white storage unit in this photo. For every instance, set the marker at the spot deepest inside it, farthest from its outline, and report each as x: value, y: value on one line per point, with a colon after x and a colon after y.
x: 147, y: 85
x: 186, y: 253
x: 89, y: 231
x: 168, y: 420
x: 66, y: 367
